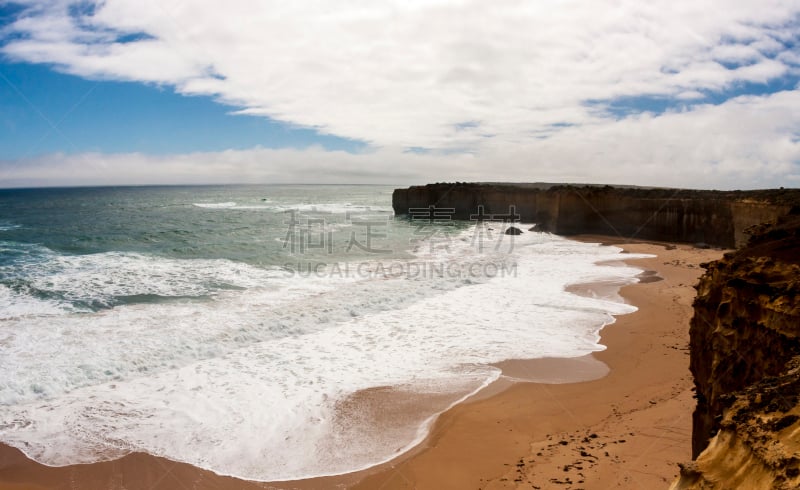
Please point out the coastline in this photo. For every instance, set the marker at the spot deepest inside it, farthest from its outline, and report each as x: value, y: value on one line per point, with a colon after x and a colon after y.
x: 628, y: 429
x: 522, y: 433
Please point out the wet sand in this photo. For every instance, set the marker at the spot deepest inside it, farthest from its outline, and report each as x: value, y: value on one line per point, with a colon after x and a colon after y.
x: 627, y: 429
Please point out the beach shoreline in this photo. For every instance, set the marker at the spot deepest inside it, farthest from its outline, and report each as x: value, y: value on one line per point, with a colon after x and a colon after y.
x: 541, y: 431
x: 524, y: 432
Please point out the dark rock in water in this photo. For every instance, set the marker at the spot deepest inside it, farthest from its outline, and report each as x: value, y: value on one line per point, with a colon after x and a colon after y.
x: 702, y: 245
x: 513, y: 231
x: 532, y: 228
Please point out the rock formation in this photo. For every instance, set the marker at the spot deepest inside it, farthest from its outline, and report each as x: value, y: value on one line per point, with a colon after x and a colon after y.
x: 718, y: 218
x: 745, y: 358
x: 745, y: 333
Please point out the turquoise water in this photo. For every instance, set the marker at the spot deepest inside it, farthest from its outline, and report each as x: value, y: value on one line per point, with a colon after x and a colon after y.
x: 227, y: 326
x: 295, y: 227
x: 245, y: 223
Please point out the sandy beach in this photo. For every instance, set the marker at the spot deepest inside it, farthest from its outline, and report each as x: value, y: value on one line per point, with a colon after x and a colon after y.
x: 627, y: 429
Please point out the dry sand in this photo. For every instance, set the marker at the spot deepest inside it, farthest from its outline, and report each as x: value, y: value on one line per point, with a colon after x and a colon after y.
x: 628, y: 429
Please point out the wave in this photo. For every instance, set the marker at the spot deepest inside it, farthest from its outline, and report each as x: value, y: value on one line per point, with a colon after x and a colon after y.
x: 14, y: 304
x: 214, y: 205
x: 321, y: 208
x: 288, y: 359
x: 333, y: 208
x: 101, y: 279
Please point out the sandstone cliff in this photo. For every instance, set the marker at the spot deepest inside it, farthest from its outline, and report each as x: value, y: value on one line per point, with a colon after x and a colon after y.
x: 745, y: 358
x: 679, y: 215
x: 745, y: 333
x: 757, y: 446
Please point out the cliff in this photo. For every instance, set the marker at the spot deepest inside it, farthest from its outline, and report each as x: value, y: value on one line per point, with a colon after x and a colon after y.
x: 678, y: 215
x: 745, y: 358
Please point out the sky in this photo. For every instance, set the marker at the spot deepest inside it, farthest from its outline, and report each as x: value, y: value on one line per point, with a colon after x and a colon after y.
x: 697, y: 94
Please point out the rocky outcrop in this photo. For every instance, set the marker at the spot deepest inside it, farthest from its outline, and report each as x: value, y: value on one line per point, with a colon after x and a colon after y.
x: 677, y: 215
x: 757, y: 445
x: 745, y: 358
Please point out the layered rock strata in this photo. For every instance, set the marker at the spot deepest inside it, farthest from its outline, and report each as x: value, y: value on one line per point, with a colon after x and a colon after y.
x: 718, y: 218
x: 745, y: 358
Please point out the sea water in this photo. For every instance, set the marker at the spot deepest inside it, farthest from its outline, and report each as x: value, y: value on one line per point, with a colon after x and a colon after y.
x: 254, y: 330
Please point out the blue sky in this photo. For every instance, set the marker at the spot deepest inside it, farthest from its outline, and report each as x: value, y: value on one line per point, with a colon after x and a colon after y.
x: 622, y: 107
x: 665, y: 93
x: 44, y: 111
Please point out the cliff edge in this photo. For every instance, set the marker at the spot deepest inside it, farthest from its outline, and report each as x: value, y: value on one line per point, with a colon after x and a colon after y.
x: 717, y: 218
x: 745, y: 358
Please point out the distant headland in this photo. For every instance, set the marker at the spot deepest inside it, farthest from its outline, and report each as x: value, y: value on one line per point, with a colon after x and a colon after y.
x: 717, y: 218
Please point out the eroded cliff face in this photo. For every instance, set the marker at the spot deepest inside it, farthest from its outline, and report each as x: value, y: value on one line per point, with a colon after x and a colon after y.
x: 678, y: 215
x: 745, y: 327
x: 745, y: 358
x: 758, y: 442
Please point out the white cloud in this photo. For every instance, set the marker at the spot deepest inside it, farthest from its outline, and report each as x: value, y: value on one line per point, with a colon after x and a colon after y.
x: 747, y: 142
x: 401, y: 74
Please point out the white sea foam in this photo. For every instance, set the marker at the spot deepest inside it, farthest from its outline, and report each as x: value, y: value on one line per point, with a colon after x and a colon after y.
x: 269, y: 365
x: 321, y: 208
x: 333, y: 208
x: 17, y: 305
x: 215, y: 205
x: 104, y: 276
x: 251, y: 206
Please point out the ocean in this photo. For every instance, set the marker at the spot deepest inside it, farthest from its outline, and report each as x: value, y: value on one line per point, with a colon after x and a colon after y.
x: 268, y: 332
